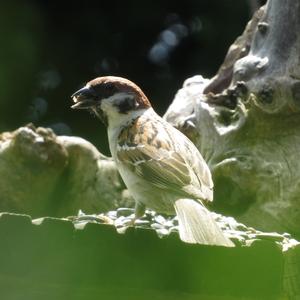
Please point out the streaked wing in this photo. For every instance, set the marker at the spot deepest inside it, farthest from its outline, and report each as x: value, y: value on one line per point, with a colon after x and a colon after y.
x: 165, y: 158
x: 164, y: 169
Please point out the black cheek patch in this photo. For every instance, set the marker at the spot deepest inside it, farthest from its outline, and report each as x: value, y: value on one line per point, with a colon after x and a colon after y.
x: 125, y: 105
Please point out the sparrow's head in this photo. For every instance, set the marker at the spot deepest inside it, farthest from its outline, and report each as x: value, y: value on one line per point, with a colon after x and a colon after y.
x: 110, y: 98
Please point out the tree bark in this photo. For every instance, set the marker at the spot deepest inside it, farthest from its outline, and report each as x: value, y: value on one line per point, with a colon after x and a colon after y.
x: 245, y: 121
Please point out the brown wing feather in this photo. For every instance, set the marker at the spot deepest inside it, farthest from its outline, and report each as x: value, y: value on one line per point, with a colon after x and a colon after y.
x: 165, y: 172
x: 160, y: 162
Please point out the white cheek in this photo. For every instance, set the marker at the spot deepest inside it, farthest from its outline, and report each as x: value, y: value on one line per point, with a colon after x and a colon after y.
x: 106, y: 105
x: 111, y: 111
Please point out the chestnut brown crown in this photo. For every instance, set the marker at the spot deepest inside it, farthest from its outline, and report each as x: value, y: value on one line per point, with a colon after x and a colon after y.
x: 109, y: 85
x: 102, y: 88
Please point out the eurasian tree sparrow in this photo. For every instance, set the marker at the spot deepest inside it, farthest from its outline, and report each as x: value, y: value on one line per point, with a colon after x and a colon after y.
x: 160, y: 166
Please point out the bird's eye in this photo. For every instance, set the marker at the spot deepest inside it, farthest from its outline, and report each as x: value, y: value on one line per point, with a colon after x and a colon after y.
x: 109, y: 86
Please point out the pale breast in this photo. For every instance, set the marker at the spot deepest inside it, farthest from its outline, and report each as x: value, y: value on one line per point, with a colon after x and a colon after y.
x: 152, y: 197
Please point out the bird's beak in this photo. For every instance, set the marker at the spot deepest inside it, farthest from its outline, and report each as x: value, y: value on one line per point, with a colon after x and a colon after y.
x: 84, y: 99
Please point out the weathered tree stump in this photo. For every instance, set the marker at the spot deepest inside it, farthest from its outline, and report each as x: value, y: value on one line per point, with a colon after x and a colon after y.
x: 47, y: 175
x: 246, y: 121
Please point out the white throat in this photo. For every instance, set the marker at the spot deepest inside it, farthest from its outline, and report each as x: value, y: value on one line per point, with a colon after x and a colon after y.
x: 118, y: 121
x: 111, y: 105
x: 116, y: 125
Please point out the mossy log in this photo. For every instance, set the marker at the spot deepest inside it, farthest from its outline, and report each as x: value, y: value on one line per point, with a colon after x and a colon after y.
x: 49, y: 259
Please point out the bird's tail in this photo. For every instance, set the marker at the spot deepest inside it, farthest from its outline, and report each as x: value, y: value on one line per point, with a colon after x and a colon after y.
x: 197, y: 226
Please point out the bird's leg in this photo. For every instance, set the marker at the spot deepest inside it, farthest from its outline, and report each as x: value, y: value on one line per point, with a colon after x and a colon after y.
x: 139, y: 211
